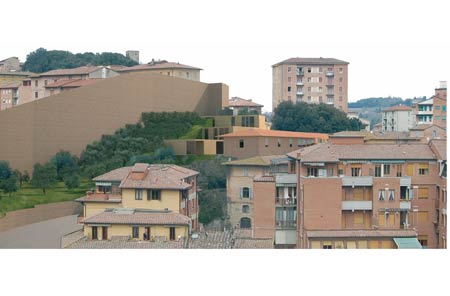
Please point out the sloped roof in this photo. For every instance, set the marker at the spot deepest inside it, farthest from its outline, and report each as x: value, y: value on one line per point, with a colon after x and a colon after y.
x: 10, y: 85
x: 73, y: 71
x: 240, y: 102
x: 439, y: 147
x: 256, y: 132
x: 138, y: 217
x: 422, y: 127
x: 312, y: 61
x: 255, y: 161
x: 72, y: 83
x: 361, y: 233
x: 398, y: 108
x: 167, y: 65
x: 327, y: 152
x: 114, y: 175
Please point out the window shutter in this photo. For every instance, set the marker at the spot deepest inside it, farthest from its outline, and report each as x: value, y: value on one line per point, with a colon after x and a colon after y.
x: 241, y: 192
x: 250, y: 193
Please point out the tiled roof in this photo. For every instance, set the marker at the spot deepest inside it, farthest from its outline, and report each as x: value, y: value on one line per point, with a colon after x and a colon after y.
x: 138, y: 217
x: 422, y: 127
x: 10, y: 85
x: 239, y: 102
x: 167, y: 65
x: 114, y: 175
x: 159, y: 177
x: 16, y: 73
x: 257, y: 160
x: 361, y: 233
x: 72, y: 83
x: 439, y: 146
x: 74, y: 71
x: 253, y: 243
x: 327, y: 152
x: 312, y: 61
x: 398, y: 108
x: 124, y: 242
x: 101, y: 197
x: 256, y: 132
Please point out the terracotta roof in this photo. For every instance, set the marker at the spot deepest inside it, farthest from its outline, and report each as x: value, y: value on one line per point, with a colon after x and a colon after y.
x: 312, y: 61
x: 101, y: 197
x: 10, y: 85
x: 257, y: 160
x: 138, y: 217
x: 361, y: 233
x: 439, y: 146
x: 16, y: 73
x: 239, y: 102
x: 421, y: 127
x: 74, y: 71
x: 160, y: 177
x: 167, y: 65
x: 72, y: 83
x: 398, y: 108
x: 114, y: 175
x: 256, y: 132
x: 327, y: 152
x: 253, y: 243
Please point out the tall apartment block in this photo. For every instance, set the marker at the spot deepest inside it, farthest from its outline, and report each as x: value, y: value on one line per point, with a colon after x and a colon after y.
x: 311, y: 80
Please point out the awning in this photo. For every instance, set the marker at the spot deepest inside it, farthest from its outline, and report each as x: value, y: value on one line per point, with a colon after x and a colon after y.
x: 407, y: 243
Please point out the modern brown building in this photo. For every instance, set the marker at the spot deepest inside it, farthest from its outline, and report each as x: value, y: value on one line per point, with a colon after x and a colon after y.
x: 35, y: 131
x: 311, y: 80
x: 355, y: 196
x: 259, y: 142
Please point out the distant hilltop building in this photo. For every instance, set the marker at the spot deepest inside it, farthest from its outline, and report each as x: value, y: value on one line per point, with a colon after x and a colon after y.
x: 311, y: 80
x: 133, y: 55
x: 10, y: 64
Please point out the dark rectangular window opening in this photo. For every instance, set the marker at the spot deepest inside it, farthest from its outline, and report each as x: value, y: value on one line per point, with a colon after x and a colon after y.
x: 94, y: 232
x: 135, y: 232
x: 172, y: 233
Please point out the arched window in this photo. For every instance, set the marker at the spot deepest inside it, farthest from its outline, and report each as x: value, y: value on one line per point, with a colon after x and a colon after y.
x: 245, y: 192
x: 245, y: 209
x: 246, y: 223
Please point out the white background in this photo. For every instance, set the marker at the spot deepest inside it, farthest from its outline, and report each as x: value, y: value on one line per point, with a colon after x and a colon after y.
x: 394, y: 48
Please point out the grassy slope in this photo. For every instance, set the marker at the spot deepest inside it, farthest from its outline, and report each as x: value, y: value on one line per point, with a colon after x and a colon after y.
x: 28, y: 196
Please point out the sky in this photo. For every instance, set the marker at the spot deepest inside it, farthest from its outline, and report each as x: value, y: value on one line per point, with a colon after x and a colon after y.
x: 394, y: 48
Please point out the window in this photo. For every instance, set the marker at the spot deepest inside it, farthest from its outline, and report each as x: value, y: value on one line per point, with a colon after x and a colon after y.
x: 327, y: 245
x: 312, y: 172
x: 410, y: 169
x: 36, y: 95
x: 266, y: 142
x: 105, y: 189
x: 290, y: 142
x: 245, y: 192
x: 444, y: 108
x: 309, y: 70
x: 320, y: 69
x: 444, y: 118
x: 27, y: 83
x: 245, y: 223
x: 391, y: 195
x: 358, y: 218
x: 356, y: 172
x: 289, y: 69
x: 437, y: 107
x: 36, y: 82
x: 381, y: 195
x: 278, y: 142
x: 94, y: 232
x: 378, y: 171
x: 104, y: 233
x: 289, y: 88
x: 341, y: 70
x: 387, y: 169
x: 309, y: 88
x: 320, y: 79
x: 423, y: 169
x: 154, y: 194
x: 423, y: 193
x: 289, y: 79
x: 135, y: 233
x: 187, y: 74
x: 233, y: 121
x: 423, y: 216
x: 341, y: 79
x: 45, y: 82
x: 245, y: 172
x: 241, y: 143
x: 245, y: 209
x: 320, y: 89
x: 138, y: 194
x: 172, y: 233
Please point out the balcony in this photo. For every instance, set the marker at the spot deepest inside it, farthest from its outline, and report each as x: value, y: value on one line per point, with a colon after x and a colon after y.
x: 350, y: 205
x: 283, y: 202
x: 329, y: 73
x: 300, y: 93
x: 425, y: 112
x: 286, y: 224
x: 405, y: 205
x: 405, y: 181
x: 299, y: 82
x: 300, y: 73
x: 286, y: 180
x: 357, y: 181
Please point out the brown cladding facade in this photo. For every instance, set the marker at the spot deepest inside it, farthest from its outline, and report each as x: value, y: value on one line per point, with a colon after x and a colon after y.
x: 34, y: 132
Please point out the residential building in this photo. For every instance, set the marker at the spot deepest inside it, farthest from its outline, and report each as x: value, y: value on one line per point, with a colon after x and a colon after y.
x: 14, y: 93
x: 311, y: 80
x: 242, y: 106
x: 51, y: 82
x: 164, y: 68
x: 397, y: 119
x: 259, y: 142
x: 143, y: 202
x: 426, y: 132
x: 240, y: 175
x: 354, y: 196
x: 434, y: 109
x: 41, y: 127
x: 11, y: 64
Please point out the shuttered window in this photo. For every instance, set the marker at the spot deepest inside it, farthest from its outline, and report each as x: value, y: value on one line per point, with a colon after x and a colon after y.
x: 373, y: 244
x: 358, y: 218
x: 315, y: 245
x: 351, y: 245
x: 410, y: 169
x: 423, y: 216
x: 362, y: 244
x: 381, y: 220
x: 423, y: 193
x: 358, y: 194
x: 386, y: 244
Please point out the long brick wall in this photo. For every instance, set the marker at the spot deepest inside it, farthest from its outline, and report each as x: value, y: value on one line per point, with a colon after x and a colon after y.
x: 39, y: 213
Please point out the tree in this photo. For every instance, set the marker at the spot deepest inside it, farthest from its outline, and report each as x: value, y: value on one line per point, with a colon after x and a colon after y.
x: 44, y: 176
x: 10, y: 185
x: 7, y: 177
x: 212, y: 205
x: 72, y: 181
x: 319, y: 118
x: 65, y: 163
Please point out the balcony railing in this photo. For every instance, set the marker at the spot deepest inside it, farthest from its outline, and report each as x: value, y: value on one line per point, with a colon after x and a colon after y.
x: 352, y: 205
x: 300, y: 93
x: 281, y: 201
x: 299, y: 82
x: 300, y: 73
x: 357, y: 181
x: 329, y: 73
x: 286, y: 223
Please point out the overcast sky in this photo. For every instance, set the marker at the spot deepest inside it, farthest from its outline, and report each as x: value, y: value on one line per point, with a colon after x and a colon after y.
x: 394, y: 49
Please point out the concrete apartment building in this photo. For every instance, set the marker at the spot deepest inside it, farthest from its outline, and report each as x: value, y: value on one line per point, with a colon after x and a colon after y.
x: 397, y: 119
x: 240, y: 175
x: 355, y: 196
x: 433, y: 110
x: 34, y: 132
x: 258, y: 142
x: 142, y: 202
x: 311, y: 80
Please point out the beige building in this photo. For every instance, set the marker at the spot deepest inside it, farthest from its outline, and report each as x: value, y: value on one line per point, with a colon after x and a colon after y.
x: 356, y: 196
x: 11, y: 64
x: 397, y: 119
x: 142, y: 202
x: 34, y: 132
x: 259, y: 142
x: 14, y: 93
x: 240, y: 175
x: 311, y: 80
